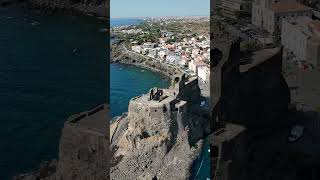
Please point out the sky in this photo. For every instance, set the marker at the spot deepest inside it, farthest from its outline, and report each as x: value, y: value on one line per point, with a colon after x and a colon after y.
x: 149, y: 8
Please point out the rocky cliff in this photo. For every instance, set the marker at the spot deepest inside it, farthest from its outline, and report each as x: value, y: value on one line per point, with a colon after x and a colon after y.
x: 92, y: 7
x: 99, y: 8
x: 160, y: 137
x: 83, y: 150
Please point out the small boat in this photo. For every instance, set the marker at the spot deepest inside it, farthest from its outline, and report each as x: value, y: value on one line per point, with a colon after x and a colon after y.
x: 75, y: 50
x: 208, y: 150
x: 120, y: 69
x: 142, y: 70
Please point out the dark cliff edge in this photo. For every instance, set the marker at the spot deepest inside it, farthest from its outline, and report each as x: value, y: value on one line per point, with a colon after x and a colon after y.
x: 97, y: 8
x: 83, y: 150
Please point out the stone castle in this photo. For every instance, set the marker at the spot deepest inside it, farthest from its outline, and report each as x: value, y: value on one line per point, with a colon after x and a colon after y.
x: 250, y: 98
x: 157, y: 136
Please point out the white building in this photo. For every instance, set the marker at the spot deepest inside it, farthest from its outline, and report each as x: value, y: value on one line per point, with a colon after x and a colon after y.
x: 204, y: 73
x: 162, y: 54
x: 153, y: 53
x: 173, y: 58
x: 302, y: 37
x: 195, y: 52
x: 268, y: 14
x: 184, y: 61
x: 194, y: 65
x: 149, y: 45
x: 136, y: 49
x: 233, y: 8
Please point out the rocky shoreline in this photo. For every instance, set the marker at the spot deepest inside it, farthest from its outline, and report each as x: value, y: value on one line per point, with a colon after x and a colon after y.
x: 96, y: 8
x: 117, y: 56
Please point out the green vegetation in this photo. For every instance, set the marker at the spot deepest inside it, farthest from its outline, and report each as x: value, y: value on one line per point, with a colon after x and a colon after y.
x: 152, y: 32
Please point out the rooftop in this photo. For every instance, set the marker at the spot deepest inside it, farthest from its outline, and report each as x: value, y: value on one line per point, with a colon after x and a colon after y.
x: 289, y: 6
x: 168, y: 96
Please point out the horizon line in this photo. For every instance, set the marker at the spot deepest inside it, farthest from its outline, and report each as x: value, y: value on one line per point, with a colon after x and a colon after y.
x: 125, y: 17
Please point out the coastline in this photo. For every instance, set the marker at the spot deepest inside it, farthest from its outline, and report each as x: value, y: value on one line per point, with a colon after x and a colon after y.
x: 146, y: 67
x: 166, y: 75
x: 98, y: 10
x: 145, y: 62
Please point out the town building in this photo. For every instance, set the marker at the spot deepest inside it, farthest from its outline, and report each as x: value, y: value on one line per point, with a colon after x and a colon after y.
x: 184, y: 61
x: 194, y: 65
x: 268, y: 14
x: 136, y: 49
x: 235, y: 8
x: 302, y: 37
x: 153, y: 53
x: 162, y: 53
x: 204, y: 73
x: 149, y: 45
x: 173, y: 58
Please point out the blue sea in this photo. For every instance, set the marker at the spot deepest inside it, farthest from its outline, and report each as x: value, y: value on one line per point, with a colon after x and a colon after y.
x: 124, y: 21
x: 135, y: 81
x: 52, y: 66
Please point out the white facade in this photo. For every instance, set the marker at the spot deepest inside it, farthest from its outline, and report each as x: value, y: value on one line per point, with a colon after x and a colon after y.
x: 153, y: 53
x: 204, y: 73
x: 136, y: 49
x: 173, y: 58
x: 302, y: 37
x: 162, y: 53
x: 294, y: 36
x: 268, y: 14
x: 230, y: 8
x: 193, y: 66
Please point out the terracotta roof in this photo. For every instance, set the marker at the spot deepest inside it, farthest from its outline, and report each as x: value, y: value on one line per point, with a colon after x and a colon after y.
x: 200, y: 63
x: 315, y: 25
x: 289, y: 6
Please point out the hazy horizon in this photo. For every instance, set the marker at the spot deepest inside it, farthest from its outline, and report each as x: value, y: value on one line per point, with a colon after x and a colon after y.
x: 163, y: 8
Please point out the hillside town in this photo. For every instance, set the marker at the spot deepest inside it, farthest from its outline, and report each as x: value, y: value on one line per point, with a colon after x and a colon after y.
x: 188, y: 51
x: 290, y: 23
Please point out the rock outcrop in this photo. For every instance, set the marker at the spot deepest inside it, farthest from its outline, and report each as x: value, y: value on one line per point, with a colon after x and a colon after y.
x: 160, y: 137
x: 83, y: 151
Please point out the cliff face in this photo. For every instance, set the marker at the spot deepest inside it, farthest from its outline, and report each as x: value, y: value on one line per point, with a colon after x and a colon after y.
x: 83, y: 151
x: 251, y: 99
x: 253, y: 91
x: 160, y: 136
